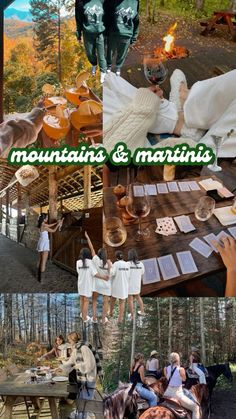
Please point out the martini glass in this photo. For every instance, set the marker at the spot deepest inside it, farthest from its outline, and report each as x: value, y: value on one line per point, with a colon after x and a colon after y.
x: 218, y: 142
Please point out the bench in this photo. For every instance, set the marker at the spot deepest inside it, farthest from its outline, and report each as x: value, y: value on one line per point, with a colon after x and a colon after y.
x: 223, y: 18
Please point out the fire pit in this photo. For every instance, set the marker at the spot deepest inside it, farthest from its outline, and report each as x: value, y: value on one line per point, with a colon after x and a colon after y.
x: 169, y: 50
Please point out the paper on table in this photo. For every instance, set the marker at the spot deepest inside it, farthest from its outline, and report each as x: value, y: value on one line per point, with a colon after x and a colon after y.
x: 194, y: 185
x: 209, y: 238
x: 232, y: 231
x: 138, y: 190
x: 162, y: 188
x: 168, y: 267
x: 225, y: 215
x: 151, y: 273
x: 184, y: 187
x: 186, y: 262
x: 173, y: 186
x: 201, y: 247
x: 151, y: 189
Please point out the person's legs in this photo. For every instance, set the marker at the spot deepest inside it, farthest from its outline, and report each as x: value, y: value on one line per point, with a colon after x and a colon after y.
x: 140, y: 303
x: 101, y: 53
x: 147, y: 395
x: 85, y: 309
x: 90, y: 48
x: 121, y: 310
x: 81, y: 302
x: 111, y: 48
x: 105, y: 308
x: 112, y: 305
x: 44, y: 258
x: 122, y: 51
x: 94, y: 299
x: 200, y: 373
x: 86, y: 394
x: 189, y: 404
x: 131, y: 305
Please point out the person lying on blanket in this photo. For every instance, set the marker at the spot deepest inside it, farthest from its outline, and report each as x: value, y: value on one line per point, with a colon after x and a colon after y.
x: 208, y: 108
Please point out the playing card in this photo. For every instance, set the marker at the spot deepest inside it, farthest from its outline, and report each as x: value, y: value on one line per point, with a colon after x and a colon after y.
x: 194, y: 185
x: 225, y: 193
x: 201, y: 247
x: 168, y: 267
x: 173, y: 186
x: 209, y: 238
x: 232, y: 231
x: 151, y: 189
x: 186, y: 262
x: 151, y: 274
x: 138, y: 190
x: 184, y: 187
x: 184, y: 223
x: 222, y: 235
x: 210, y: 184
x: 165, y: 226
x: 162, y: 188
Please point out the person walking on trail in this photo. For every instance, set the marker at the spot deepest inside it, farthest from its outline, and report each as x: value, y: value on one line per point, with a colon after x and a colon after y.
x: 175, y: 375
x: 135, y: 281
x: 196, y: 365
x: 89, y: 15
x: 122, y: 17
x: 100, y: 286
x: 137, y: 375
x: 152, y: 364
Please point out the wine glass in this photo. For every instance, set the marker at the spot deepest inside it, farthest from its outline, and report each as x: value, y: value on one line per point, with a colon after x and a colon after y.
x: 115, y: 233
x: 205, y: 208
x: 138, y: 207
x: 218, y: 142
x: 154, y: 70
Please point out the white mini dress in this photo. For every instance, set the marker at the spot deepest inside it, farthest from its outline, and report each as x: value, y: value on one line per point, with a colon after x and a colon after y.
x: 135, y: 280
x: 43, y: 243
x: 101, y: 286
x: 120, y: 273
x: 85, y: 277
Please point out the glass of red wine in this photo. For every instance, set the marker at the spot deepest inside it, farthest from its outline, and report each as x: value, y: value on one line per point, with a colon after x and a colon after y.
x: 154, y: 69
x: 138, y: 207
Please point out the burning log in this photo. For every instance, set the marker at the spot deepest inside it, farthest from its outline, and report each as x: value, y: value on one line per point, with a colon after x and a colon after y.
x: 169, y: 50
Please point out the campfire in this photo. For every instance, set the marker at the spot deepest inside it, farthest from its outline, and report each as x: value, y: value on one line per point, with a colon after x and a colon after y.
x: 169, y: 49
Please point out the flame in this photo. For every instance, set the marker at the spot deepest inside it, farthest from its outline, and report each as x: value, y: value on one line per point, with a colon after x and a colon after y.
x: 169, y: 39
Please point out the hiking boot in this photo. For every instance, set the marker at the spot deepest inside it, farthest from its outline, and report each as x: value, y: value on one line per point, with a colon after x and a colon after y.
x: 102, y: 77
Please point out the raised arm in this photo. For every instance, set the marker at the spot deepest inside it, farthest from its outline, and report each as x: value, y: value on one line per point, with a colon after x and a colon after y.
x: 90, y: 244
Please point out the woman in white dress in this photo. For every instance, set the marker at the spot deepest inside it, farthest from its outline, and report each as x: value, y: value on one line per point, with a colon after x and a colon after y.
x: 135, y: 281
x: 120, y: 274
x: 86, y: 273
x: 100, y: 286
x: 43, y: 246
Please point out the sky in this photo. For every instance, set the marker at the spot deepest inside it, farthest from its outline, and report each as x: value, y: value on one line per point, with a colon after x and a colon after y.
x: 21, y: 4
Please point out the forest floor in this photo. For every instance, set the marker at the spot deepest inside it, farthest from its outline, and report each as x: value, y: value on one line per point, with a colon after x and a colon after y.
x: 205, y: 53
x: 224, y: 400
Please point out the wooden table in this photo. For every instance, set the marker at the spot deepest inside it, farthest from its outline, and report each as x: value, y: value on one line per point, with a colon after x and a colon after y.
x: 14, y: 388
x: 223, y: 17
x: 170, y: 205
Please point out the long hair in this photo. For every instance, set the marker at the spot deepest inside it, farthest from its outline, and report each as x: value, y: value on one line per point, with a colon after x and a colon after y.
x: 74, y: 336
x: 102, y: 254
x: 133, y: 256
x: 41, y: 219
x: 119, y: 255
x: 85, y: 254
x: 59, y: 337
x: 137, y: 358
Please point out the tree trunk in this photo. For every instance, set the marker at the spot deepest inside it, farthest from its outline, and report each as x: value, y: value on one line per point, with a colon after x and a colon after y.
x: 170, y: 326
x: 133, y: 343
x: 202, y: 332
x: 49, y: 320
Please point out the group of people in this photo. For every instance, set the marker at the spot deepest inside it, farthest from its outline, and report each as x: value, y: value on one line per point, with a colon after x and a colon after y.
x: 175, y: 375
x: 108, y: 28
x: 80, y: 361
x: 120, y: 280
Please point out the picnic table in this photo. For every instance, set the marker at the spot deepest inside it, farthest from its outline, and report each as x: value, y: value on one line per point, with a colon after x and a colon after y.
x: 15, y: 388
x: 223, y: 17
x: 170, y: 204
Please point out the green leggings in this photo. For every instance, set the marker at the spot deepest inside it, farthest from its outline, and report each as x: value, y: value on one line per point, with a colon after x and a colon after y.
x: 95, y: 50
x: 117, y: 45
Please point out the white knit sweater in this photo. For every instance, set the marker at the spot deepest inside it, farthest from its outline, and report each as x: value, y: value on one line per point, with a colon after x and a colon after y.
x: 132, y: 124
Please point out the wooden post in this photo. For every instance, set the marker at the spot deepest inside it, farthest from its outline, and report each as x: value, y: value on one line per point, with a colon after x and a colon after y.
x: 7, y: 209
x: 19, y: 212
x: 53, y: 188
x: 87, y: 187
x: 1, y: 59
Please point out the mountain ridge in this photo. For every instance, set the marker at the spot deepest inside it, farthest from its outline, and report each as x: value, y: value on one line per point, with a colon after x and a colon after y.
x: 14, y: 14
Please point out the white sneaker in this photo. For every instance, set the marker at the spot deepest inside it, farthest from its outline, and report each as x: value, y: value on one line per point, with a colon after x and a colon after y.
x: 118, y: 72
x: 94, y: 70
x: 193, y: 133
x: 176, y: 79
x: 129, y: 316
x: 102, y: 77
x: 141, y: 314
x: 108, y: 69
x: 94, y: 321
x: 87, y: 319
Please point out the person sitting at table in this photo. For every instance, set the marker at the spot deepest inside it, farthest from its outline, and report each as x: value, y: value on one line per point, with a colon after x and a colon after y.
x: 227, y: 251
x: 152, y: 364
x: 135, y: 281
x: 120, y: 274
x: 131, y: 113
x: 82, y: 368
x: 59, y: 350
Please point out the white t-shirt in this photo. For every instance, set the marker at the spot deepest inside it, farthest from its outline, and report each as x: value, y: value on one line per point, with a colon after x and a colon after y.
x: 120, y: 279
x: 100, y: 285
x: 85, y: 277
x: 135, y: 280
